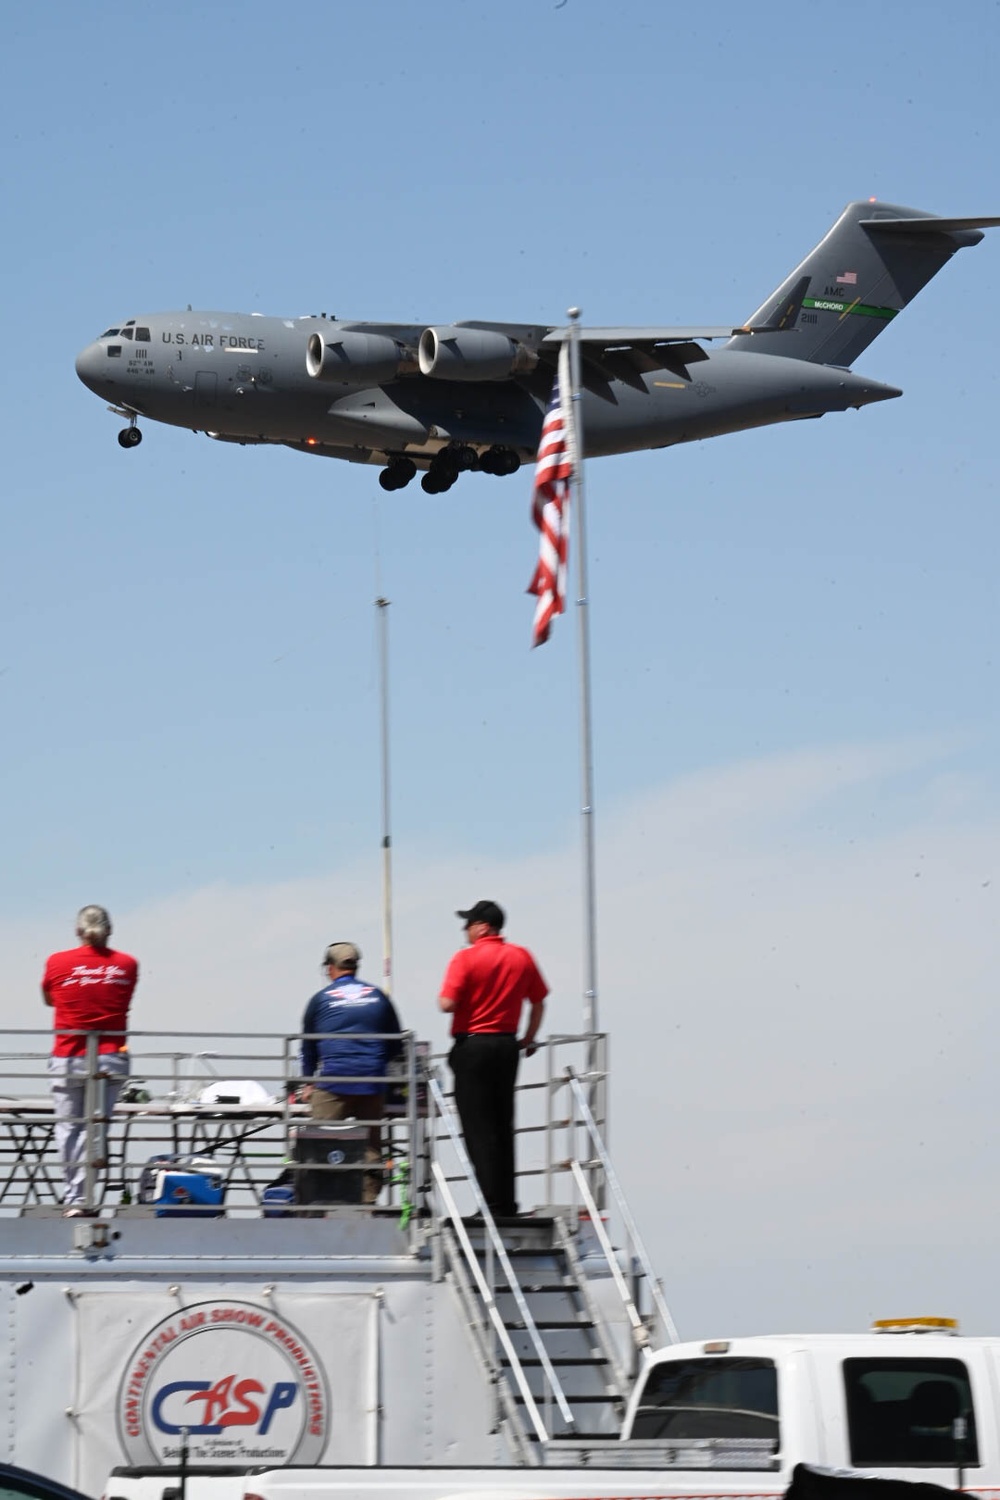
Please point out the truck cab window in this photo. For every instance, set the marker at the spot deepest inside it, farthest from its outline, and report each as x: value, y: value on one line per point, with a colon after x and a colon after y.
x: 910, y: 1413
x: 710, y: 1398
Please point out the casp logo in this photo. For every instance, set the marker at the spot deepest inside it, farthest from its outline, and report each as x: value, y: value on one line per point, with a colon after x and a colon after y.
x: 240, y: 1381
x: 230, y: 1402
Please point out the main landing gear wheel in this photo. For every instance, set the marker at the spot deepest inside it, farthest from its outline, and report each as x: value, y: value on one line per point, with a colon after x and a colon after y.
x: 130, y: 437
x: 444, y: 470
x: 499, y: 460
x: 446, y: 466
x: 397, y: 474
x: 465, y: 458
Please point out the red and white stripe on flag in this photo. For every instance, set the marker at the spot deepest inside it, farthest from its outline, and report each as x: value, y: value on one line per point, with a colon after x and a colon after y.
x: 550, y: 504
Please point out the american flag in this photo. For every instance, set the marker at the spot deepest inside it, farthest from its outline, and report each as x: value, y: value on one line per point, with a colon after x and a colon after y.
x: 847, y: 278
x: 550, y: 504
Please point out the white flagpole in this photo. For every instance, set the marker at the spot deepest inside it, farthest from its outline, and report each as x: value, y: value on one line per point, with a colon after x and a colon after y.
x: 575, y: 435
x: 382, y: 606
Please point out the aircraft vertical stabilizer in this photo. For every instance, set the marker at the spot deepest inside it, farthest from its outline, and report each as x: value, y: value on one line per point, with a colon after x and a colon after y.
x: 874, y: 260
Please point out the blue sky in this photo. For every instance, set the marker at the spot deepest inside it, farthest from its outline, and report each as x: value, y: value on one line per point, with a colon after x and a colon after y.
x: 794, y: 631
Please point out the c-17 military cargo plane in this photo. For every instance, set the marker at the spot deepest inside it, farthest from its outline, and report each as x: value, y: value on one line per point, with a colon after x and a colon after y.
x: 472, y: 395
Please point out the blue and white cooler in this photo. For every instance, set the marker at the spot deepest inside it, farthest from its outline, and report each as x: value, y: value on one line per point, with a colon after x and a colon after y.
x: 181, y: 1187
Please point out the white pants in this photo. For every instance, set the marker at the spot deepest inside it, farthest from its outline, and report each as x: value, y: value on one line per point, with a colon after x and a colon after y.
x: 69, y: 1089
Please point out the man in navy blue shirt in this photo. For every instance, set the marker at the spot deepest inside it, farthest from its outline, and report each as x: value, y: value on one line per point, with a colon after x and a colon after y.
x: 339, y: 1045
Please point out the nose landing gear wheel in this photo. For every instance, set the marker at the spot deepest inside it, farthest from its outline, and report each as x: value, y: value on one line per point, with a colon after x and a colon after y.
x: 130, y: 437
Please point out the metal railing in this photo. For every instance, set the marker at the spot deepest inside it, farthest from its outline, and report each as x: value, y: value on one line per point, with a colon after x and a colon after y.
x: 217, y: 1092
x: 549, y: 1131
x: 229, y: 1103
x: 222, y: 1104
x: 486, y: 1281
x: 651, y: 1330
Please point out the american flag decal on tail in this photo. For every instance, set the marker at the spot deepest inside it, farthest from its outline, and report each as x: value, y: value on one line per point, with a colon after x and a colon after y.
x: 550, y: 504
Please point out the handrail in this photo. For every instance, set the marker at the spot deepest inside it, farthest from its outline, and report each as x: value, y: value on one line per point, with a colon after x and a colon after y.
x: 640, y: 1333
x: 499, y: 1250
x: 167, y: 1107
x: 489, y: 1301
x: 610, y: 1177
x: 595, y: 1311
x: 170, y: 1105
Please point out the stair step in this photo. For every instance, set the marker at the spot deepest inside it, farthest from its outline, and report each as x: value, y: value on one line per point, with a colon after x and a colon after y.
x: 567, y: 1360
x: 561, y: 1343
x: 520, y: 1252
x: 610, y: 1401
x: 539, y: 1287
x: 574, y: 1437
x: 557, y: 1294
x: 556, y: 1304
x: 542, y: 1229
x: 556, y: 1251
x: 551, y: 1325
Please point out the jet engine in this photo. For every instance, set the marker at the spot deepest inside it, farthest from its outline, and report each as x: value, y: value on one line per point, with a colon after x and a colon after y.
x: 472, y: 354
x: 356, y: 358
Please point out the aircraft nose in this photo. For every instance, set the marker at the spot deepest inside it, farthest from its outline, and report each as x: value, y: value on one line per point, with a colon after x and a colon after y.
x: 90, y: 363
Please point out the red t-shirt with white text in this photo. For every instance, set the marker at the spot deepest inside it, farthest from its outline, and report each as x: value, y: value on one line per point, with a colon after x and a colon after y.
x: 489, y: 982
x: 90, y: 990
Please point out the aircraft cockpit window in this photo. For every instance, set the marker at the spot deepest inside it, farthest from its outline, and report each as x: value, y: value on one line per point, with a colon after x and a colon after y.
x: 110, y: 333
x: 142, y: 335
x: 126, y: 333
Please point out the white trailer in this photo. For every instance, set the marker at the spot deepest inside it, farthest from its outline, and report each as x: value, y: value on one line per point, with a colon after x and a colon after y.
x: 332, y: 1333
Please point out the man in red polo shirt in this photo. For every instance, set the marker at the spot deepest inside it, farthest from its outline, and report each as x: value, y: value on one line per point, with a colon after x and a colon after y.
x: 484, y: 992
x: 89, y: 989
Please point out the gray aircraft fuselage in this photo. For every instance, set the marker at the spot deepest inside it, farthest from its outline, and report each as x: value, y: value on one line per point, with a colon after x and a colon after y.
x: 473, y: 395
x: 243, y: 377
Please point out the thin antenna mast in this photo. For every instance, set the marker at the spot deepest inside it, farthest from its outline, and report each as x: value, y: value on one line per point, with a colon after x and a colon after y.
x: 382, y: 608
x: 590, y: 1021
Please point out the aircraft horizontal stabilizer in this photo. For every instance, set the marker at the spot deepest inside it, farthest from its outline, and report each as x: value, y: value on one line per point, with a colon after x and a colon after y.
x: 929, y: 225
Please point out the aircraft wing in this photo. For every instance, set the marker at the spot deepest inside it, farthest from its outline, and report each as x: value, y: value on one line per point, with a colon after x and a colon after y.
x: 610, y: 354
x: 627, y: 354
x: 607, y: 355
x: 605, y: 338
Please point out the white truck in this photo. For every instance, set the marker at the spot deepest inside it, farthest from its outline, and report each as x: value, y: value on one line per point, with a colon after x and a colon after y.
x: 723, y: 1418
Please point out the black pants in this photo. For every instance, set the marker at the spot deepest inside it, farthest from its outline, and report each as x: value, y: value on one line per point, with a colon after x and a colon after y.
x: 485, y: 1069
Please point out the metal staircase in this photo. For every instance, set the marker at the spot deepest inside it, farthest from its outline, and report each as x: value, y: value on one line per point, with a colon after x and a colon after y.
x: 555, y: 1290
x: 559, y: 1357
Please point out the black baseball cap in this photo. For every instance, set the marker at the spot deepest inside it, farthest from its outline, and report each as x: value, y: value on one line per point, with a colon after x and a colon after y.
x: 484, y: 911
